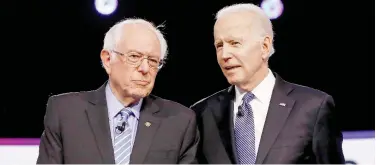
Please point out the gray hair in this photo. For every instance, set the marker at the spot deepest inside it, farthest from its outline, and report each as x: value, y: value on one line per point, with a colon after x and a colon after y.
x: 112, y: 36
x: 248, y: 7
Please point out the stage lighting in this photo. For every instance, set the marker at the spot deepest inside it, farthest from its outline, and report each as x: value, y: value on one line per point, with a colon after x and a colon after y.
x: 106, y: 7
x: 272, y: 8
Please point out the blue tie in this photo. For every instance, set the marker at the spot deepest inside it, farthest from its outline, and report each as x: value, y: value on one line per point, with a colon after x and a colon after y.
x: 123, y: 137
x: 245, y: 132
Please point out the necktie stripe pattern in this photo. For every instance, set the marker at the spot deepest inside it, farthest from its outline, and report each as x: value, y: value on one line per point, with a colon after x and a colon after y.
x: 123, y: 137
x: 245, y: 132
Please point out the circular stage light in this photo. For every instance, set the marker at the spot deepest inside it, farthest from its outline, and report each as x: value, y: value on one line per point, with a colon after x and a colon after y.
x: 272, y: 8
x: 106, y: 7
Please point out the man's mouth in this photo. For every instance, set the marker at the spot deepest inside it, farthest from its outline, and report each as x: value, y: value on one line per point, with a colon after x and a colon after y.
x: 231, y: 67
x: 141, y: 82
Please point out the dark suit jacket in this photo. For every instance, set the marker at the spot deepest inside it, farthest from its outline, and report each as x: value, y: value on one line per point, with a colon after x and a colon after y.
x: 77, y: 131
x: 302, y: 131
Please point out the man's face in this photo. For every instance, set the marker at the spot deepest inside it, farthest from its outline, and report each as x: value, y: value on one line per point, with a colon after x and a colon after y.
x: 132, y: 80
x: 239, y: 47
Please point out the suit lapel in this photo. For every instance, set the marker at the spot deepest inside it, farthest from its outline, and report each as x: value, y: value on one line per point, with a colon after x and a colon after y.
x: 279, y: 109
x: 145, y: 135
x: 232, y: 132
x: 223, y: 115
x: 97, y: 115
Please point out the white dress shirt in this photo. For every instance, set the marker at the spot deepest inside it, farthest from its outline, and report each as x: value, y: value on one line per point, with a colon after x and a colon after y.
x: 260, y: 104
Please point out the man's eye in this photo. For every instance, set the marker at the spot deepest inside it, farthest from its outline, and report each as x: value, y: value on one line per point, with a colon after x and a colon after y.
x: 153, y: 60
x: 235, y: 43
x: 134, y: 56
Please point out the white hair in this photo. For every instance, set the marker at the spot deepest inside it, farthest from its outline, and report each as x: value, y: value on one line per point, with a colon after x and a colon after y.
x: 112, y: 36
x: 265, y: 22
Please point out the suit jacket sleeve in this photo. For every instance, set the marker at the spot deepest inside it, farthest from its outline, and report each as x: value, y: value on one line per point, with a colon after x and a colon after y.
x: 190, y: 143
x: 50, y: 147
x: 327, y: 137
x: 200, y: 157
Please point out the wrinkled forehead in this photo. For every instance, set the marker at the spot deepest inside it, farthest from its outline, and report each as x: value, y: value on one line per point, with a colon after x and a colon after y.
x: 236, y: 24
x: 139, y: 38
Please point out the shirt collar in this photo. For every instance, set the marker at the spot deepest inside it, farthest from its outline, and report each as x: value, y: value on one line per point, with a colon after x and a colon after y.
x: 114, y: 106
x: 263, y: 91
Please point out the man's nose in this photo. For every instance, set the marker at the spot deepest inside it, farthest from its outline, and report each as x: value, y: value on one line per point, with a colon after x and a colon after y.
x: 144, y: 66
x: 226, y: 53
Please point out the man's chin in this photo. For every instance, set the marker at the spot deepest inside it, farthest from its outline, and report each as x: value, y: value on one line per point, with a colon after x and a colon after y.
x: 233, y: 80
x: 140, y: 93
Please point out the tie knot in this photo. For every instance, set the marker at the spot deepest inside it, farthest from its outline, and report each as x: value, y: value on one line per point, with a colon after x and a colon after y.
x: 125, y: 113
x: 249, y: 96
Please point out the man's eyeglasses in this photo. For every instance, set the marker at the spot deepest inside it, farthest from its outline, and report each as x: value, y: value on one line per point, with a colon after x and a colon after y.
x: 135, y: 59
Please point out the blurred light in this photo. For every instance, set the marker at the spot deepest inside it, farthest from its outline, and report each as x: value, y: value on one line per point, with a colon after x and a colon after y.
x: 106, y: 7
x: 272, y: 8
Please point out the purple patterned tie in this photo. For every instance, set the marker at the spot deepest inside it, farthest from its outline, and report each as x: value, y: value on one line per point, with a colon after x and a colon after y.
x: 245, y: 132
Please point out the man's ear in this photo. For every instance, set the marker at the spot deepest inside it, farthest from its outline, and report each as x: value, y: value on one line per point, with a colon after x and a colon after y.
x: 266, y: 47
x: 106, y: 58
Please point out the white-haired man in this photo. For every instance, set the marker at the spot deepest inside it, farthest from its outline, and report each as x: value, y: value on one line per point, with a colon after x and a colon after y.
x: 121, y: 122
x: 261, y: 119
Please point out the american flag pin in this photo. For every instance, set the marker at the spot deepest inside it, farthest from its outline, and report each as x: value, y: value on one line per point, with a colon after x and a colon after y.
x: 282, y: 104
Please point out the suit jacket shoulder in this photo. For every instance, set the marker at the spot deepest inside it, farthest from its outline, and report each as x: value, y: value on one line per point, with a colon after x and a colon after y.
x: 308, y: 90
x: 307, y: 94
x: 169, y: 107
x: 63, y: 97
x: 202, y: 104
x: 70, y: 100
